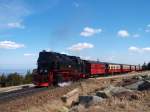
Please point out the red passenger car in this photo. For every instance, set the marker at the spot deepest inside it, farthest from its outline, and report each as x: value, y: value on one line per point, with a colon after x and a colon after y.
x: 96, y: 68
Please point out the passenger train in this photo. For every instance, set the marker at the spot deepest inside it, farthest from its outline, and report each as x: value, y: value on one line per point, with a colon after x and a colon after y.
x: 54, y: 68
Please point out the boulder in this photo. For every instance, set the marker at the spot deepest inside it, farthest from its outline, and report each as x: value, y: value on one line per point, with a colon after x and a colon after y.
x: 63, y: 109
x: 142, y: 77
x: 146, y: 77
x: 77, y: 108
x: 134, y: 86
x: 89, y: 100
x: 111, y: 91
x: 70, y: 97
x: 103, y: 94
x: 144, y: 86
x: 140, y: 85
x: 138, y: 77
x: 117, y: 90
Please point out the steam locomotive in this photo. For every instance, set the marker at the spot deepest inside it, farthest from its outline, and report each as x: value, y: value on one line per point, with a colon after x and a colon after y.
x: 54, y: 68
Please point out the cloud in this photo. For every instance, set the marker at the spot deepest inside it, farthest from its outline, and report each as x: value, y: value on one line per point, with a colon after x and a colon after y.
x: 148, y: 25
x: 136, y: 35
x: 139, y: 50
x: 135, y: 49
x: 10, y: 45
x: 123, y: 33
x: 146, y: 49
x: 15, y: 25
x: 87, y: 31
x: 29, y: 54
x: 12, y: 13
x: 147, y: 29
x: 80, y: 46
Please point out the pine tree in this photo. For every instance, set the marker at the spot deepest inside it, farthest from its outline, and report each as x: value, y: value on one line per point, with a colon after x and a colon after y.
x: 3, y: 80
x: 14, y: 79
x: 148, y: 66
x: 144, y: 66
x: 28, y: 77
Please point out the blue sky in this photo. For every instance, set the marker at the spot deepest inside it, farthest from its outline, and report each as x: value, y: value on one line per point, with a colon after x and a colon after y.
x: 108, y: 30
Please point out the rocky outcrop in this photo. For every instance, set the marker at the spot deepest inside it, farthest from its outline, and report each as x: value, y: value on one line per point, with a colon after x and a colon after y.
x: 70, y: 97
x: 134, y: 86
x: 129, y: 91
x: 144, y: 86
x: 63, y: 109
x: 140, y: 85
x: 89, y: 100
x: 111, y: 91
x: 77, y: 108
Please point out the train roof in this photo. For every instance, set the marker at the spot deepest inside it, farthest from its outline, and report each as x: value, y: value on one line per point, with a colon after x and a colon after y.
x: 89, y: 61
x: 97, y: 62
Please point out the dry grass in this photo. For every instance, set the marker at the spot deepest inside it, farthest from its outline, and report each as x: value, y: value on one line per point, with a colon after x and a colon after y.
x: 117, y: 104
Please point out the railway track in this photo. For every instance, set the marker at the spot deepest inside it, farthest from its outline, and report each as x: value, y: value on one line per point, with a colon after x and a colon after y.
x: 34, y: 96
x: 25, y: 92
x: 12, y: 95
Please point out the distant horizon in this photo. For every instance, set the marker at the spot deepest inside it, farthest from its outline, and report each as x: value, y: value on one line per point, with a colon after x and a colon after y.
x: 20, y: 71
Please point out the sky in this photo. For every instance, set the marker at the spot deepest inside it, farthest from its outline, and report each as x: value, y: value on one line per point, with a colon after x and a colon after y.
x: 115, y: 31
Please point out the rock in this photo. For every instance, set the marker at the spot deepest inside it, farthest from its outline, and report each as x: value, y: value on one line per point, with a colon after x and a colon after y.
x: 144, y: 86
x: 71, y: 97
x: 117, y: 90
x: 142, y: 77
x: 140, y: 85
x: 103, y: 94
x: 63, y: 109
x: 146, y: 77
x: 111, y: 91
x: 89, y: 100
x: 134, y: 86
x: 138, y: 77
x: 77, y: 108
